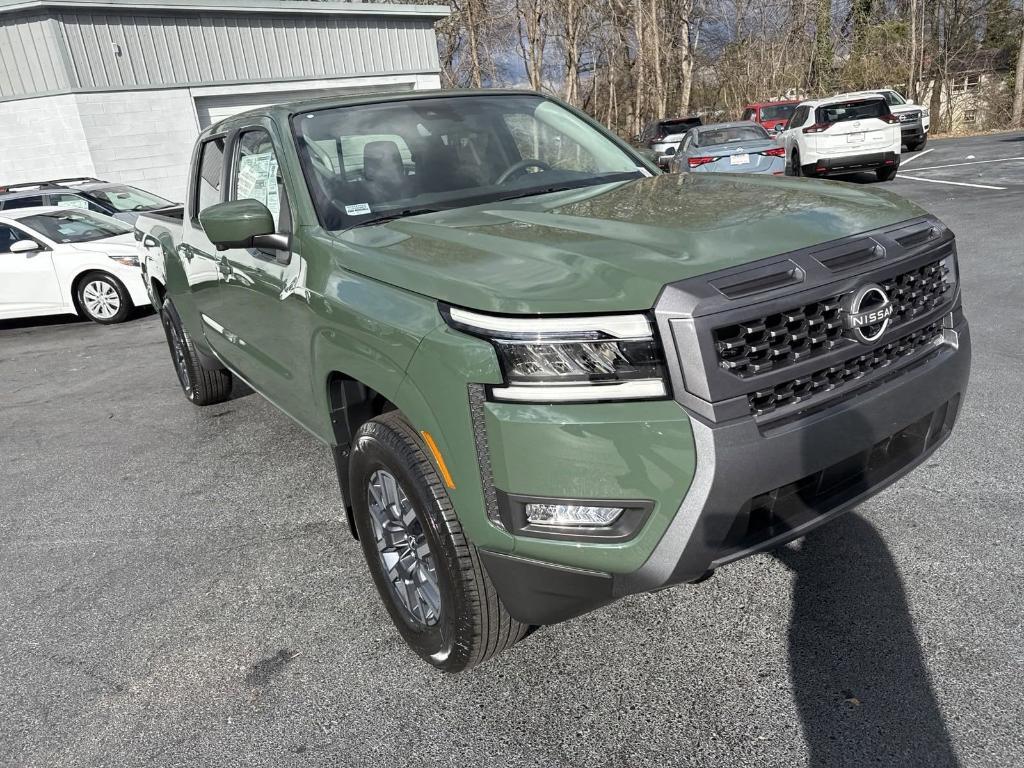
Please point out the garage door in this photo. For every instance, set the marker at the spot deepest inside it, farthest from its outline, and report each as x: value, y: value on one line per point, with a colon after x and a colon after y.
x: 210, y: 109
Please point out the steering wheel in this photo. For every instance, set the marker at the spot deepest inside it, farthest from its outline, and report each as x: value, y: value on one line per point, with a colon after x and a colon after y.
x: 517, y: 168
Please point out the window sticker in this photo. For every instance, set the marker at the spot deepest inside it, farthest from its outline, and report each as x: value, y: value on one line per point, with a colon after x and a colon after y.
x: 257, y: 179
x: 72, y: 203
x: 360, y: 209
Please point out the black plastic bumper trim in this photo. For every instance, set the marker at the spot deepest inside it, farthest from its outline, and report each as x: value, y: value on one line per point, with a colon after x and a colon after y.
x: 542, y: 593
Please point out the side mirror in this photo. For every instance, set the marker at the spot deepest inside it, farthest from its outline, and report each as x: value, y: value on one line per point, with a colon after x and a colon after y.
x: 241, y: 224
x: 24, y: 246
x: 780, y: 127
x: 670, y: 151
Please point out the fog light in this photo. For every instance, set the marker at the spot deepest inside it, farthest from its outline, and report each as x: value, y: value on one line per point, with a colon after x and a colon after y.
x: 571, y: 514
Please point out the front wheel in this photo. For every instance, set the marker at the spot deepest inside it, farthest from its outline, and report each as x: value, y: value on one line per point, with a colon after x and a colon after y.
x: 103, y: 299
x: 918, y: 146
x: 201, y: 386
x: 427, y: 572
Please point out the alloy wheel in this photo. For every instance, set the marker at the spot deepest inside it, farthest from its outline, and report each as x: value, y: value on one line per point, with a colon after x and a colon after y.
x: 403, y: 549
x: 101, y: 299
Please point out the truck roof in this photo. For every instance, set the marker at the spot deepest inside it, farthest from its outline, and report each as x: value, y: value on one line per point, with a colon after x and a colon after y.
x: 288, y: 108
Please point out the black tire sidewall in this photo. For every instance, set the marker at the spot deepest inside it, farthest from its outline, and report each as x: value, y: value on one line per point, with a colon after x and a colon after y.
x: 169, y: 318
x: 794, y: 164
x: 378, y: 450
x: 122, y: 295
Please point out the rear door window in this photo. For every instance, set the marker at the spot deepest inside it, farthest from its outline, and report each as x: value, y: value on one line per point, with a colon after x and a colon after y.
x: 852, y: 110
x: 32, y: 201
x: 208, y: 178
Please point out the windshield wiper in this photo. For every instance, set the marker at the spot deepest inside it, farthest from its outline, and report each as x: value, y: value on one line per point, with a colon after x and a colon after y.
x: 404, y: 213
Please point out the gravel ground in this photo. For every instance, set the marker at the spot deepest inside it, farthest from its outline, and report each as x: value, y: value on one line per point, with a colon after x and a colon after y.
x: 180, y: 588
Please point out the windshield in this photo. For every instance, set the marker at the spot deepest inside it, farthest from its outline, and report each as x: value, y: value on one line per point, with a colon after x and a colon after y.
x: 730, y: 134
x: 125, y: 198
x: 74, y: 226
x: 893, y: 98
x: 852, y: 110
x: 373, y: 161
x: 777, y: 111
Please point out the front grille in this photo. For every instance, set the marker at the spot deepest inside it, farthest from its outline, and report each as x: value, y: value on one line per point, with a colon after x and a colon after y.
x: 804, y: 388
x: 774, y: 341
x: 917, y: 292
x: 909, y: 117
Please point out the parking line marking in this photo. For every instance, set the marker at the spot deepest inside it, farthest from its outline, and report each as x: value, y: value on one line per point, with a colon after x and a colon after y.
x: 954, y: 183
x: 973, y: 162
x: 923, y: 152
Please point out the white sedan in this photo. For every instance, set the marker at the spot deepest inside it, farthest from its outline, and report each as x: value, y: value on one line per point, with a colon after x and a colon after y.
x: 55, y: 261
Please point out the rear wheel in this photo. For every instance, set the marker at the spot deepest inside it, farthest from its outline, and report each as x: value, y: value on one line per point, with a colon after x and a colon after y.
x: 886, y: 174
x: 918, y: 146
x: 794, y: 164
x: 201, y: 386
x: 427, y: 572
x: 102, y: 298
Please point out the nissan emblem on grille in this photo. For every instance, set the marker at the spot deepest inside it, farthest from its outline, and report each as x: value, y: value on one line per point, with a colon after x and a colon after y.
x: 866, y: 313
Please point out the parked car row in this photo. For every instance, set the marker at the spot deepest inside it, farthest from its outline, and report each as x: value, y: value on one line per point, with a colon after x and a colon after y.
x: 847, y: 133
x: 66, y: 248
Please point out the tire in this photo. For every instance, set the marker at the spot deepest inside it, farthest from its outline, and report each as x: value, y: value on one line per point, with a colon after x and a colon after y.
x: 886, y: 174
x: 794, y: 164
x: 102, y: 298
x: 453, y: 617
x: 918, y: 146
x: 202, y: 386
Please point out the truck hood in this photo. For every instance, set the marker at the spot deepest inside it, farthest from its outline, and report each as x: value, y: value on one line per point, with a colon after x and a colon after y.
x: 611, y: 247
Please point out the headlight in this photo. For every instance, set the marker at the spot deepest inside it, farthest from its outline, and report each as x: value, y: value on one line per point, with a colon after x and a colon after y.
x: 924, y: 113
x: 128, y: 261
x: 570, y: 359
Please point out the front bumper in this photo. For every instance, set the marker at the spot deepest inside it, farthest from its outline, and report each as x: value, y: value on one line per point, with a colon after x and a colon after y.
x: 759, y: 455
x: 851, y: 163
x: 912, y: 133
x: 758, y: 488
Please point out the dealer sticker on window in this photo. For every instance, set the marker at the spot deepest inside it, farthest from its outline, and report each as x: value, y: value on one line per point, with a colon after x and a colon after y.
x: 360, y: 209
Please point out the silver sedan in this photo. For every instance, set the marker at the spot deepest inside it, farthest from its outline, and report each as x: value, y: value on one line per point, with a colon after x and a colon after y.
x: 729, y: 148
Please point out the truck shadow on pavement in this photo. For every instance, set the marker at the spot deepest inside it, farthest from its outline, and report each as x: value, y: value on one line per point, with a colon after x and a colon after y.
x: 860, y: 681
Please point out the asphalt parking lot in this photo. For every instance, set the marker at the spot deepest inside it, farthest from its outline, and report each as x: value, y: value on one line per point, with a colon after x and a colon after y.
x: 179, y: 587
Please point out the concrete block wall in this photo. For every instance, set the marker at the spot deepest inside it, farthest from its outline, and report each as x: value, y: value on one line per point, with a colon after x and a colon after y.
x: 143, y: 138
x: 42, y: 138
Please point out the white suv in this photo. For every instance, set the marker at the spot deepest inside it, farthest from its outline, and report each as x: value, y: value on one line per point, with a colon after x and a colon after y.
x: 915, y: 120
x: 842, y: 135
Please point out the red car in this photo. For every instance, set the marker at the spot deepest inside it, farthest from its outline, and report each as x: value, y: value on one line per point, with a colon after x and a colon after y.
x: 770, y: 113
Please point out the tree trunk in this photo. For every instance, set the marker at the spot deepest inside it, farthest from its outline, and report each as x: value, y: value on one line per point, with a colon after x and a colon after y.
x: 1018, y: 88
x: 912, y: 75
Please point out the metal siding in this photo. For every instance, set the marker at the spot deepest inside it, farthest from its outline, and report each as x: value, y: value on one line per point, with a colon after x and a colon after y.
x: 30, y: 56
x: 44, y: 52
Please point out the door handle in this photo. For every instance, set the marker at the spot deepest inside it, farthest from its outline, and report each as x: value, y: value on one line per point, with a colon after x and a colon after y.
x: 225, y: 268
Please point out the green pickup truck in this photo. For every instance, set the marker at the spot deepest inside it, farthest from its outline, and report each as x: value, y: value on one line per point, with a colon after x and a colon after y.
x: 550, y: 374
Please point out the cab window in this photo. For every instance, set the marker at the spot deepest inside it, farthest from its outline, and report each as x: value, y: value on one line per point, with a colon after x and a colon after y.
x: 256, y: 176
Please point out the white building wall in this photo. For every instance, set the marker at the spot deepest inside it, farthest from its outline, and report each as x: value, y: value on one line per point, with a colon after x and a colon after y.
x: 42, y: 138
x: 143, y: 138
